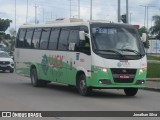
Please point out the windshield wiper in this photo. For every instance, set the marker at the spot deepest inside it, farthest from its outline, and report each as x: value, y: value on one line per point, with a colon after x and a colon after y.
x: 130, y: 50
x: 114, y: 51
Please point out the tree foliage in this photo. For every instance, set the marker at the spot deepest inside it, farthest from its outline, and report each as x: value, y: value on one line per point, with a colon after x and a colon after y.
x: 4, y: 24
x: 155, y: 29
x: 142, y: 30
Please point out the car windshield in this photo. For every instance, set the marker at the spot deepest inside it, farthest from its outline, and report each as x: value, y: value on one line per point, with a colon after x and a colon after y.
x: 4, y: 55
x: 121, y: 39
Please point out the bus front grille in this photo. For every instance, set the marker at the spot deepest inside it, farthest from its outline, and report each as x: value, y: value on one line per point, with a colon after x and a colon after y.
x: 119, y: 80
x: 123, y: 71
x: 117, y: 72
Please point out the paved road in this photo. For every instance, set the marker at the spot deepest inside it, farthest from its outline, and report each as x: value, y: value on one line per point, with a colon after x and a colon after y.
x: 17, y: 94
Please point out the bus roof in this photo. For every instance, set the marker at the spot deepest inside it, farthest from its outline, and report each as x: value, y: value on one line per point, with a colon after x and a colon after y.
x: 70, y: 22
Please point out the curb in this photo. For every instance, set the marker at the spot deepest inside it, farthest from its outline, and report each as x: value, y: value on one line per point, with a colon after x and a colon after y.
x: 152, y: 89
x: 153, y: 79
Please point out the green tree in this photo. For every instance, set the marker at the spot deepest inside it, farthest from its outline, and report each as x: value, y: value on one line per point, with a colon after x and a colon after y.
x: 4, y: 24
x: 144, y: 30
x: 155, y: 29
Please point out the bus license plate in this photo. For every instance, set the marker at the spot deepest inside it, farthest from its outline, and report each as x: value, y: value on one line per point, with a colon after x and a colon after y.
x: 124, y: 76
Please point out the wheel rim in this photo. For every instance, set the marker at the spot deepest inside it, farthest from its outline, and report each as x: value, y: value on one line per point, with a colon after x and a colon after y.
x: 82, y: 85
x: 33, y: 77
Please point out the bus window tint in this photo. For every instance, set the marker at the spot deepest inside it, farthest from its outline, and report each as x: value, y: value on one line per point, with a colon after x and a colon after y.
x: 21, y: 38
x: 44, y: 38
x: 36, y: 37
x: 74, y: 37
x: 53, y: 39
x: 27, y: 40
x: 63, y: 44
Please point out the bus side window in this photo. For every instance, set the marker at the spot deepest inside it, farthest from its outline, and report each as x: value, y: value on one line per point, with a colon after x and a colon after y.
x: 63, y: 40
x: 36, y: 38
x: 54, y: 39
x: 74, y: 38
x: 28, y: 38
x: 20, y: 41
x: 45, y: 38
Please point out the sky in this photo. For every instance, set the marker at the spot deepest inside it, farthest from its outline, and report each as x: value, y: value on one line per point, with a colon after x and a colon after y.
x: 53, y: 9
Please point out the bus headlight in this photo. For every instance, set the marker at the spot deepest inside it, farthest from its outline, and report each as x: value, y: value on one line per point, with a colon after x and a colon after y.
x: 142, y: 70
x: 104, y: 69
x: 101, y: 68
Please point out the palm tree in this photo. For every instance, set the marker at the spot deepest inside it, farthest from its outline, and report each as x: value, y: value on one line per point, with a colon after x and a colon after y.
x: 155, y: 30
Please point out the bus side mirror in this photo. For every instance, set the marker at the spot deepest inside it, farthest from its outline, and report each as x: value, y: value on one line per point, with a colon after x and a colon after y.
x: 81, y: 35
x: 144, y: 37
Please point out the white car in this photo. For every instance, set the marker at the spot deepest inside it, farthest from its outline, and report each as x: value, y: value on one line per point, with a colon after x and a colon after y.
x: 6, y: 62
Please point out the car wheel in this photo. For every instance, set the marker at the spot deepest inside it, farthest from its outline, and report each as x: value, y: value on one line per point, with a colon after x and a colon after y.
x: 34, y: 79
x: 82, y: 88
x: 11, y: 70
x: 131, y: 91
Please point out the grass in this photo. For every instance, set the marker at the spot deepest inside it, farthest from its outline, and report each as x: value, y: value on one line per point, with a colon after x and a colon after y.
x: 153, y: 57
x: 153, y: 70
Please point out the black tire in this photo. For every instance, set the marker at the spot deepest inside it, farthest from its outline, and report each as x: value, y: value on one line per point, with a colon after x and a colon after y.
x: 11, y: 70
x: 81, y: 85
x: 131, y: 91
x: 34, y: 79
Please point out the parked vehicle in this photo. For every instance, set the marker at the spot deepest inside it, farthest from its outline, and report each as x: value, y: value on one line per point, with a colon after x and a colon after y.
x: 6, y: 62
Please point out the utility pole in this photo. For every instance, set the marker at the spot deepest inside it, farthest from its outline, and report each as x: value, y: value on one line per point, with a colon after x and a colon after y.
x: 70, y: 8
x: 90, y: 9
x: 43, y: 15
x: 144, y: 14
x: 130, y: 17
x: 15, y: 15
x: 35, y: 14
x: 27, y: 13
x: 147, y: 15
x: 126, y: 11
x: 78, y: 9
x: 119, y: 10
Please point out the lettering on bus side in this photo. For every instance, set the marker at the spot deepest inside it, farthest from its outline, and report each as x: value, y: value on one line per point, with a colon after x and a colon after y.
x: 51, y: 61
x: 55, y: 60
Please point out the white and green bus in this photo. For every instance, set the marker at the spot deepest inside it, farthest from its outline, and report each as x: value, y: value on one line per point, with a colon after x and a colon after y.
x: 88, y: 55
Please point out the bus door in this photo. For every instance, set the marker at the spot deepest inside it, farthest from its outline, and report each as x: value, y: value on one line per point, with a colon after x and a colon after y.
x: 72, y: 56
x: 61, y: 55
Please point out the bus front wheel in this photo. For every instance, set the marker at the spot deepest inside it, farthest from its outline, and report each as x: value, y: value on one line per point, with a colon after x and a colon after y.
x: 34, y: 79
x: 82, y: 88
x: 131, y: 91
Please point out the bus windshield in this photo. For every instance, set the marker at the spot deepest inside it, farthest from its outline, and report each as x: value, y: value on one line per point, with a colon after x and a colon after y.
x: 113, y: 39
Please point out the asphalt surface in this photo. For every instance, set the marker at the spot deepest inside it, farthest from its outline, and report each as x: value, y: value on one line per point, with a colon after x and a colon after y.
x: 17, y: 94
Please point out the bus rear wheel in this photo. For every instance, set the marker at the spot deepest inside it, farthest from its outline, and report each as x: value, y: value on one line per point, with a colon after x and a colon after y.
x: 34, y: 79
x: 131, y: 91
x: 82, y: 88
